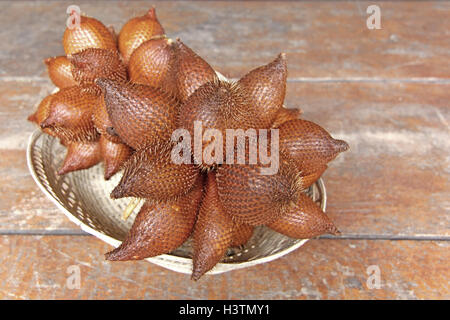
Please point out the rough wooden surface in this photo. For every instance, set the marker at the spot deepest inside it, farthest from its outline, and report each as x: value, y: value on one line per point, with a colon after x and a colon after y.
x: 384, y: 91
x: 37, y: 267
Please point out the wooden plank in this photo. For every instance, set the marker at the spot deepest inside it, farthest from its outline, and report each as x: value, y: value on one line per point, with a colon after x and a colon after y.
x: 394, y: 180
x: 36, y: 267
x: 326, y: 39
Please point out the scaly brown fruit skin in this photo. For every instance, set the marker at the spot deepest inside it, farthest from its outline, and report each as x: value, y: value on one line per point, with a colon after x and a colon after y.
x: 242, y: 232
x: 42, y: 113
x: 253, y: 198
x: 93, y: 63
x: 266, y: 88
x: 70, y: 115
x: 114, y: 155
x: 136, y: 31
x: 90, y: 34
x: 191, y: 70
x: 283, y: 115
x: 80, y: 155
x: 309, y: 145
x: 309, y: 179
x: 160, y: 227
x: 213, y: 231
x: 150, y: 173
x: 303, y: 219
x: 153, y: 64
x: 141, y: 115
x: 102, y: 122
x: 60, y: 71
x: 218, y: 105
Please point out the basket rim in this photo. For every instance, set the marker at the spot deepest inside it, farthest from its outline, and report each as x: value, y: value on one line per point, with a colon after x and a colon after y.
x: 168, y: 261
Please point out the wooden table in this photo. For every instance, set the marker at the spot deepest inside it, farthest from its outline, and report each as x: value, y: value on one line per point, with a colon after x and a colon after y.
x: 384, y: 91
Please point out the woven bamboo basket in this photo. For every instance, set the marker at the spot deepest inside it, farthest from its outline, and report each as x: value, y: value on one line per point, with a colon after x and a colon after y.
x: 83, y: 196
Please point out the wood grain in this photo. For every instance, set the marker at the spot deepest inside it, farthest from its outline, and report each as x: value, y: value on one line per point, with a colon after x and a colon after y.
x: 325, y: 39
x: 386, y: 92
x: 36, y: 267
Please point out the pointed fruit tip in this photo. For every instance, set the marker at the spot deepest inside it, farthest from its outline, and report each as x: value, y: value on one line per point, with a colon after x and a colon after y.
x: 63, y: 170
x: 117, y: 192
x: 332, y: 229
x: 47, y: 61
x: 151, y: 13
x: 32, y: 118
x: 340, y: 145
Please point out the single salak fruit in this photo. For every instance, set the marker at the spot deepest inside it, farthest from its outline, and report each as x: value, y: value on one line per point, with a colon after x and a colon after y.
x: 213, y: 231
x: 138, y: 30
x: 141, y: 115
x: 191, y: 70
x: 91, y: 33
x: 80, y: 155
x: 254, y: 198
x: 92, y: 63
x: 114, y: 155
x: 242, y: 232
x: 60, y: 71
x: 160, y: 227
x: 283, y: 115
x: 309, y: 145
x: 303, y: 219
x: 150, y: 173
x: 69, y: 115
x: 42, y: 113
x: 266, y: 88
x: 153, y: 64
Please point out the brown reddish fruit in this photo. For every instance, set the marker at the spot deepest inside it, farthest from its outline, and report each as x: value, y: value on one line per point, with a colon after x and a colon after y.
x: 114, y: 156
x: 303, y: 219
x: 138, y: 30
x: 153, y: 64
x: 102, y: 122
x: 150, y: 173
x: 309, y: 145
x: 80, y: 155
x: 255, y: 198
x: 70, y: 115
x: 242, y: 232
x: 191, y: 70
x: 283, y: 115
x: 160, y: 227
x: 60, y: 71
x: 42, y: 113
x: 91, y: 33
x: 219, y: 105
x: 141, y: 115
x: 93, y: 63
x: 213, y: 231
x: 266, y: 88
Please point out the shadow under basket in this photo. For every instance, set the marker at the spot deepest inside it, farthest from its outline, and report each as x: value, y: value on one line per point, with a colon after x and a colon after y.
x: 83, y: 196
